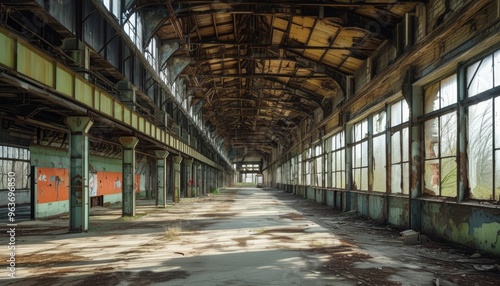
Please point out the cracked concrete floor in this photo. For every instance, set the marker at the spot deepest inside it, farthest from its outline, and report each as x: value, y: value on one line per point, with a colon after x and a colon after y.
x: 242, y: 236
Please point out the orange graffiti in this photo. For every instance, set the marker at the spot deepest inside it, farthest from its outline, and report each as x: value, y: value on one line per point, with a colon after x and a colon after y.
x: 52, y: 185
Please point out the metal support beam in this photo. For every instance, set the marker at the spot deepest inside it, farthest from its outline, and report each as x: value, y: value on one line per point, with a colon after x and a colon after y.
x: 161, y: 164
x: 189, y: 177
x: 128, y: 173
x: 79, y: 170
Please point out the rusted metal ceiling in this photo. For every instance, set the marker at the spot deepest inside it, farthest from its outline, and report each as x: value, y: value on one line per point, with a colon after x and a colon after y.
x: 258, y: 68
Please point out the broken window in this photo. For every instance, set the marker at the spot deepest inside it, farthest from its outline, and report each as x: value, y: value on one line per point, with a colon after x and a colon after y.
x: 151, y: 53
x: 400, y: 178
x: 360, y: 156
x: 440, y: 138
x: 379, y: 152
x: 16, y: 160
x: 483, y: 132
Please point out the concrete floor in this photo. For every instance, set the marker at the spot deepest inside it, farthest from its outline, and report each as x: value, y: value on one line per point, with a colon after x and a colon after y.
x: 239, y: 237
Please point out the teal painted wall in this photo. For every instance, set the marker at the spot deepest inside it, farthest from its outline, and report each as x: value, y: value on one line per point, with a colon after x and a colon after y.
x: 474, y: 226
x: 330, y: 198
x: 398, y: 212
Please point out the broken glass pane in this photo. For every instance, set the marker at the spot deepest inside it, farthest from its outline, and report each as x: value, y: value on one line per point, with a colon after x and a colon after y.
x: 480, y: 76
x: 448, y: 177
x: 480, y: 137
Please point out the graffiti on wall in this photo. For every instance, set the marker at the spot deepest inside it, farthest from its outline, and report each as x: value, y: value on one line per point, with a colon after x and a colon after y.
x: 53, y: 184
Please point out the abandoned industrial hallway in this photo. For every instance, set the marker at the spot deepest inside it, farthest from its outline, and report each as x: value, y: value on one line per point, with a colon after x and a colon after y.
x: 244, y: 236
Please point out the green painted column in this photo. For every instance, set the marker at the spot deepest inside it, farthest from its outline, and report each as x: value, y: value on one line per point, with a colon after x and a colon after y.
x: 128, y: 173
x: 177, y: 178
x: 197, y: 178
x: 161, y: 166
x: 189, y: 178
x: 78, y: 173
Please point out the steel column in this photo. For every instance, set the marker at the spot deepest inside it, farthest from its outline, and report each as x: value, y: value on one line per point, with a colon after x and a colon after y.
x: 79, y: 170
x: 161, y: 164
x: 128, y: 173
x: 177, y: 178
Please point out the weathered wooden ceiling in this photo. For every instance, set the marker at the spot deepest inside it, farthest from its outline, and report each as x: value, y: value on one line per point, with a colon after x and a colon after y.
x: 258, y: 68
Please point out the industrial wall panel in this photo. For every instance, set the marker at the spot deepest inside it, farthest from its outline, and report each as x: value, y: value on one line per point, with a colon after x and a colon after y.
x: 34, y: 65
x: 64, y: 81
x: 134, y: 121
x: 7, y: 55
x: 106, y: 104
x: 118, y: 113
x: 83, y: 92
x: 126, y: 115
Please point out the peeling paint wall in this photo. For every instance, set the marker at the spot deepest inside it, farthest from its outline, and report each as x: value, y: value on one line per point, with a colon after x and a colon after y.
x: 466, y: 224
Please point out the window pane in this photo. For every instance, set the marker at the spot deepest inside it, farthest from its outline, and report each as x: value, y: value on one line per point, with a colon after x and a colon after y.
x: 406, y: 178
x: 396, y: 147
x: 496, y: 63
x: 448, y: 177
x: 406, y: 111
x: 431, y: 138
x: 379, y: 174
x: 342, y: 160
x: 497, y: 122
x: 364, y: 179
x: 396, y: 179
x: 356, y: 184
x: 396, y: 114
x: 448, y: 133
x: 449, y: 91
x: 356, y: 155
x: 480, y: 76
x: 431, y: 186
x: 497, y: 175
x: 480, y: 149
x: 364, y: 154
x: 379, y: 122
x: 340, y: 180
x: 405, y: 146
x: 432, y: 98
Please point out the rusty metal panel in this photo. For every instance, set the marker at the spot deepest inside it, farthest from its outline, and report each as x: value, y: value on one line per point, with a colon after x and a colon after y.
x: 84, y: 92
x: 64, y: 81
x: 34, y: 65
x: 118, y: 111
x: 7, y: 56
